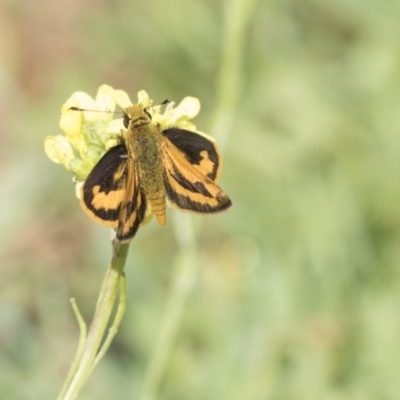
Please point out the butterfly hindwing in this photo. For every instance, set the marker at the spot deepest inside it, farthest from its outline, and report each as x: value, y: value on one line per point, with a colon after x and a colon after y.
x: 134, y: 210
x: 111, y: 194
x: 188, y: 182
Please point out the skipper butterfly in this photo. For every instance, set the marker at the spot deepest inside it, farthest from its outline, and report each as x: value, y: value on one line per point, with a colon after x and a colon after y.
x: 149, y: 168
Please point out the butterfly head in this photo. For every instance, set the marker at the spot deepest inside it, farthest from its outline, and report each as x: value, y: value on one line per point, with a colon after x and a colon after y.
x: 136, y: 115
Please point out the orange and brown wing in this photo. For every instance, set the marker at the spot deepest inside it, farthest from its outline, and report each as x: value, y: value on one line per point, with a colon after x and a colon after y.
x: 201, y: 153
x: 111, y: 194
x: 192, y: 164
x: 134, y: 210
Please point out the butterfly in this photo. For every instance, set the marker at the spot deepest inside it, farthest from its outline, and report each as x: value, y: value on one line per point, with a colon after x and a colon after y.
x: 147, y: 169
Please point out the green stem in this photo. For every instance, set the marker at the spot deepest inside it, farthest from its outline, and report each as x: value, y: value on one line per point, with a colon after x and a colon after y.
x: 104, y: 307
x: 79, y: 351
x: 117, y: 321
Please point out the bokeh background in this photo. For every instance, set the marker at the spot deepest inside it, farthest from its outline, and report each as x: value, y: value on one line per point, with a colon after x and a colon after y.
x: 295, y: 292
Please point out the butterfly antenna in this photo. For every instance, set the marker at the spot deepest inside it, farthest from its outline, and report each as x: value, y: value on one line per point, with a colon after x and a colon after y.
x: 166, y: 101
x: 159, y: 104
x: 84, y: 109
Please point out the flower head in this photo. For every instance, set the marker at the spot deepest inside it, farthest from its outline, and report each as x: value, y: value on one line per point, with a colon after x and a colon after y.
x: 89, y: 134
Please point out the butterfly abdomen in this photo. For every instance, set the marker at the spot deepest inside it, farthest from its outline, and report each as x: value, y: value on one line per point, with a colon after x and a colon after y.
x: 147, y: 150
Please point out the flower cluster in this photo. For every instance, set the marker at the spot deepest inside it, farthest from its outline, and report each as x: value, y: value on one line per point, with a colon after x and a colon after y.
x: 89, y: 134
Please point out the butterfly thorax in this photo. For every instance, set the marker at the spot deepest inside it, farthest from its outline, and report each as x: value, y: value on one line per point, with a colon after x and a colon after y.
x: 144, y: 139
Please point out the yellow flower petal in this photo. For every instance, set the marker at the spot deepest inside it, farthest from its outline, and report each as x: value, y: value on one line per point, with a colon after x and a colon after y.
x: 105, y: 101
x: 78, y: 187
x: 80, y: 168
x: 111, y: 143
x: 105, y: 90
x: 71, y: 123
x: 178, y: 116
x: 59, y: 150
x: 115, y: 126
x: 188, y: 108
x: 144, y: 99
x: 122, y: 99
x: 79, y: 99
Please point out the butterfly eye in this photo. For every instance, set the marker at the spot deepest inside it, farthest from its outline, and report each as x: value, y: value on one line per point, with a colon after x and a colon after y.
x: 126, y: 120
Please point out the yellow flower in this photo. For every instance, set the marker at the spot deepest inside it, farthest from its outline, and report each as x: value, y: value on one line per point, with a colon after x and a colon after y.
x: 89, y: 134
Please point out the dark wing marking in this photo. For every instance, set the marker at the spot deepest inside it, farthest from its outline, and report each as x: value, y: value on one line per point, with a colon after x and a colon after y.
x: 202, y: 153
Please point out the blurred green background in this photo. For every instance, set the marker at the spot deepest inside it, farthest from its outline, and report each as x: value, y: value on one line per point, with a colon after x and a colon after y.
x: 297, y: 290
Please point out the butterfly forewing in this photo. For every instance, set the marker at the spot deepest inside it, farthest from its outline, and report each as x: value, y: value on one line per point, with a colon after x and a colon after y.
x: 187, y: 183
x: 104, y: 188
x: 111, y: 193
x: 202, y: 153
